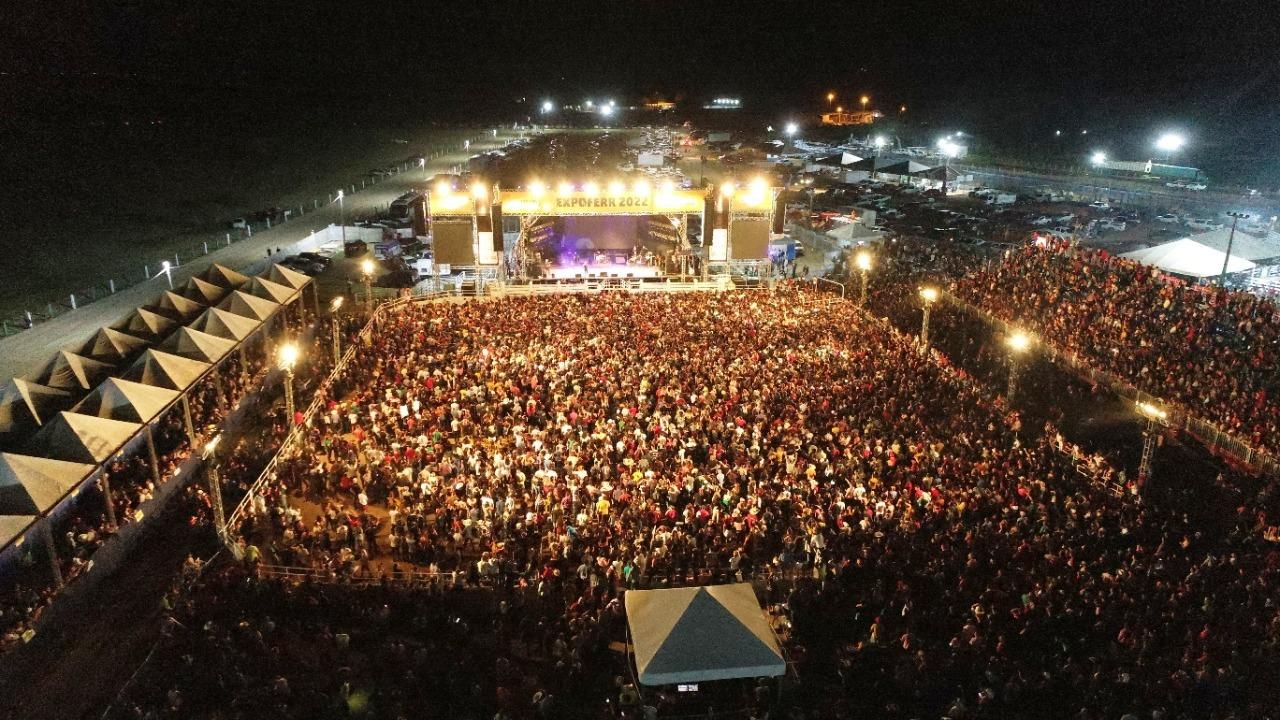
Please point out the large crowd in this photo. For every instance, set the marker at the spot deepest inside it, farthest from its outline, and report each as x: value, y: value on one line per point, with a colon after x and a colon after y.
x: 508, y: 469
x: 1212, y: 351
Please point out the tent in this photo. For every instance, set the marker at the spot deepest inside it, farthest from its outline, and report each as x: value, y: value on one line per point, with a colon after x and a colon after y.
x: 146, y: 324
x: 197, y: 345
x: 938, y: 173
x: 1243, y: 244
x: 112, y: 346
x: 1188, y: 257
x: 906, y: 167
x: 31, y: 485
x: 202, y: 291
x: 69, y: 371
x: 13, y: 526
x: 126, y: 400
x: 270, y: 290
x: 855, y: 232
x: 81, y: 438
x: 24, y: 404
x: 695, y: 634
x: 250, y: 306
x: 162, y: 369
x: 225, y: 324
x: 283, y: 275
x: 223, y: 276
x: 176, y: 307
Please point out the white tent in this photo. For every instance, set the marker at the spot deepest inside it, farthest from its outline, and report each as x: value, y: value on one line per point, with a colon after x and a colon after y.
x: 197, y: 345
x: 69, y: 371
x: 1188, y: 257
x: 163, y: 369
x: 224, y: 324
x: 250, y: 306
x: 12, y: 526
x: 1242, y: 245
x: 24, y: 404
x: 696, y: 634
x: 31, y: 485
x: 81, y: 438
x: 126, y: 400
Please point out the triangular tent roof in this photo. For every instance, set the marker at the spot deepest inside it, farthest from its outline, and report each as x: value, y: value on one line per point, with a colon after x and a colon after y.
x: 24, y: 404
x: 270, y: 290
x: 31, y: 485
x: 906, y: 167
x: 81, y: 438
x: 938, y: 173
x: 146, y: 324
x: 69, y: 371
x: 696, y: 634
x: 197, y: 345
x: 202, y: 291
x: 11, y: 526
x: 126, y: 400
x: 242, y: 303
x: 175, y: 306
x: 1188, y: 257
x: 163, y: 369
x: 112, y: 346
x: 223, y: 276
x: 225, y: 324
x: 285, y: 276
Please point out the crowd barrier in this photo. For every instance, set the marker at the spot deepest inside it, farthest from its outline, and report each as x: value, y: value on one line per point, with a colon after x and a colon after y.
x: 1218, y: 441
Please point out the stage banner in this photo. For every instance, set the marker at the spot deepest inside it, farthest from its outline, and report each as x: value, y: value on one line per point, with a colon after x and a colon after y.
x: 675, y: 202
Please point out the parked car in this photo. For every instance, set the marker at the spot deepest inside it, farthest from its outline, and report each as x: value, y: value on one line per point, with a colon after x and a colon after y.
x: 302, y: 265
x: 323, y: 260
x: 1100, y: 205
x: 1197, y: 186
x: 1204, y: 224
x: 1176, y: 184
x: 1114, y: 224
x: 1169, y: 219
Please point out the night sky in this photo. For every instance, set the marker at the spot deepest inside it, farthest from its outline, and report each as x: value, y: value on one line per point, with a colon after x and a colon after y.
x: 1008, y: 70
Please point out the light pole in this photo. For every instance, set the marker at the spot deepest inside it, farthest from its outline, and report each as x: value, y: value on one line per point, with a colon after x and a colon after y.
x: 342, y: 217
x: 949, y: 150
x: 1170, y: 143
x: 366, y: 269
x: 928, y: 296
x: 1018, y: 343
x: 1231, y: 238
x: 863, y: 259
x: 215, y: 488
x: 1155, y: 416
x: 337, y: 340
x: 288, y: 358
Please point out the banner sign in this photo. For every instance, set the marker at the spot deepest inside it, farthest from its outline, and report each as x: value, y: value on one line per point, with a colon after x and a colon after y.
x: 677, y: 202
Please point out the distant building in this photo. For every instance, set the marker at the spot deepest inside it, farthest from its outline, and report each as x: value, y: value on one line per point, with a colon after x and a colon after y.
x: 1147, y: 168
x: 660, y: 105
x: 852, y: 117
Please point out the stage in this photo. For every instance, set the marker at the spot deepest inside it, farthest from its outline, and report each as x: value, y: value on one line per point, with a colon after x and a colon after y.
x: 601, y: 270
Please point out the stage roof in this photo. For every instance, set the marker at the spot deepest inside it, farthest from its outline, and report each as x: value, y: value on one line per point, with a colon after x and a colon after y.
x: 696, y: 634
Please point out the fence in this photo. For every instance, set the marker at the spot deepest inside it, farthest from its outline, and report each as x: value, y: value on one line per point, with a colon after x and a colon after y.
x: 55, y: 307
x: 1219, y: 442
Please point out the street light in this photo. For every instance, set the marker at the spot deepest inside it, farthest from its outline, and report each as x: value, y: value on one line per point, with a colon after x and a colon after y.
x: 337, y: 341
x: 792, y: 129
x: 547, y: 107
x: 366, y: 269
x: 863, y: 260
x: 1098, y: 158
x: 1018, y: 342
x: 864, y: 100
x: 210, y: 456
x: 1170, y: 143
x: 1155, y: 416
x: 606, y: 110
x: 342, y: 214
x: 831, y: 97
x: 949, y: 150
x: 167, y: 269
x: 1231, y: 237
x: 288, y: 358
x: 928, y: 295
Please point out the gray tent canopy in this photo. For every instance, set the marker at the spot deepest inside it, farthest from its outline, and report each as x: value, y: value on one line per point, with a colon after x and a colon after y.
x: 126, y: 400
x: 250, y: 306
x: 32, y: 485
x: 112, y: 346
x: 197, y: 345
x: 283, y: 275
x: 697, y: 634
x: 176, y: 307
x: 81, y: 438
x: 202, y: 291
x: 146, y: 324
x: 12, y: 526
x: 166, y: 370
x: 270, y: 290
x: 69, y: 371
x: 223, y: 276
x: 24, y: 404
x: 225, y: 324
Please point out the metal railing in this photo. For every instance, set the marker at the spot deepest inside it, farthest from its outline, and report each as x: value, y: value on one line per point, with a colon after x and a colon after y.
x: 1218, y: 441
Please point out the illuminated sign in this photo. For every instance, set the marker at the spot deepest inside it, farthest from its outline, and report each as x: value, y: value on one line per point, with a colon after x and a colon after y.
x: 450, y: 204
x: 661, y: 202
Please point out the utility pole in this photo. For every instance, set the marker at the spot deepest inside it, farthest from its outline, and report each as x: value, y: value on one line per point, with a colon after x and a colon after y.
x: 1231, y: 237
